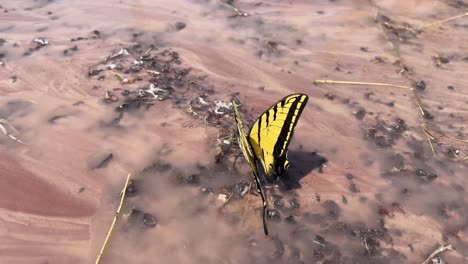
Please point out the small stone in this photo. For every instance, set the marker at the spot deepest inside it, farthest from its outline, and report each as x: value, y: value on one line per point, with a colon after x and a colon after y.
x: 421, y: 85
x: 180, y: 25
x: 353, y: 187
x: 344, y: 200
x: 294, y: 204
x: 193, y: 179
x: 444, y: 60
x: 290, y: 219
x: 149, y: 220
x: 131, y: 188
x: 135, y: 68
x: 430, y: 177
x: 420, y: 172
x: 273, y: 214
x: 206, y: 190
x: 427, y: 115
x: 360, y: 113
x: 330, y: 96
x: 279, y: 203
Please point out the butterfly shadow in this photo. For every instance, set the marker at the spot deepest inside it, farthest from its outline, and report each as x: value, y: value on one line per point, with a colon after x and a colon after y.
x: 302, y: 163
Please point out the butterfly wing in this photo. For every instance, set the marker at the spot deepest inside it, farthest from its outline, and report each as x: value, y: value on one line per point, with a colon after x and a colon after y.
x: 249, y: 156
x: 271, y: 134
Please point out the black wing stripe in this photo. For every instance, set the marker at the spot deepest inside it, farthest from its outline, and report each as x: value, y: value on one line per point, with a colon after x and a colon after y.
x: 267, y: 117
x: 259, y: 126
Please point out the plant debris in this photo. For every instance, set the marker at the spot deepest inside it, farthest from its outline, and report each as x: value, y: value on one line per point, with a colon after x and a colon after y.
x: 440, y: 249
x: 141, y: 219
x: 9, y: 130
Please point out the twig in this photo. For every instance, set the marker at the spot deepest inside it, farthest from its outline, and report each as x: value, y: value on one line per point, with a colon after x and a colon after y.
x: 439, y: 250
x: 456, y: 139
x: 121, y: 52
x: 442, y: 21
x: 226, y: 202
x: 418, y: 102
x: 4, y: 121
x: 124, y: 190
x: 430, y: 137
x: 316, y: 242
x: 3, y: 124
x: 122, y: 79
x: 235, y: 9
x: 361, y: 83
x: 367, y: 246
x: 432, y: 147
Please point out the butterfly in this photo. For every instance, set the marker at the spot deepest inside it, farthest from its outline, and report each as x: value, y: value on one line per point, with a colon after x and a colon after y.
x: 269, y: 138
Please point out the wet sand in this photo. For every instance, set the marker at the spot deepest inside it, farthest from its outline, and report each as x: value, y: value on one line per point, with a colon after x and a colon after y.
x: 376, y: 200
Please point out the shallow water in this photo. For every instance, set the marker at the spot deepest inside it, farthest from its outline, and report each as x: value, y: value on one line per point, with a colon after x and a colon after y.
x: 64, y: 159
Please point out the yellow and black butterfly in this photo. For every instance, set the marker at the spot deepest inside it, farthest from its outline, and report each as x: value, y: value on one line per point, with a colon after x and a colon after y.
x: 269, y: 138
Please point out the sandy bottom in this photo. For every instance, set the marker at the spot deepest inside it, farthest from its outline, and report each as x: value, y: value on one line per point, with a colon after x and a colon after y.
x: 112, y: 87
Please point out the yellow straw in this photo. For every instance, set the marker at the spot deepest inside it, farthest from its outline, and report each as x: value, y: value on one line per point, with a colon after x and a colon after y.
x: 115, y: 220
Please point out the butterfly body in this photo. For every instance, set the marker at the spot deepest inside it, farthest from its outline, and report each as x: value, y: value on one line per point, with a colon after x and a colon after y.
x: 269, y: 138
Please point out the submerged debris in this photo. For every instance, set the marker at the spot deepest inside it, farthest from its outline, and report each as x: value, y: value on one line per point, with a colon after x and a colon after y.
x: 422, y: 175
x: 330, y: 96
x: 105, y: 160
x: 149, y: 220
x: 294, y: 203
x: 166, y: 80
x: 421, y: 85
x: 439, y: 60
x: 132, y: 188
x: 440, y: 249
x: 121, y: 52
x: 279, y: 203
x: 220, y: 105
x: 383, y: 135
x: 70, y: 50
x: 41, y: 42
x: 38, y: 43
x: 291, y: 219
x: 360, y: 113
x: 273, y: 214
x: 140, y: 218
x: 271, y: 45
x: 402, y: 32
x: 193, y: 179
